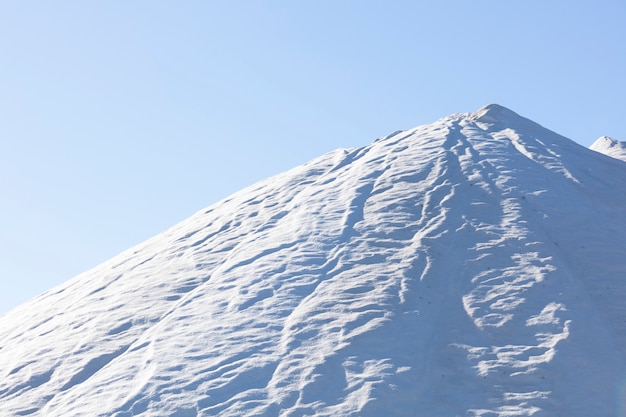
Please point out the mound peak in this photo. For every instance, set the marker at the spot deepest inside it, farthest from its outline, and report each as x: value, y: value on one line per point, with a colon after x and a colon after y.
x: 494, y: 113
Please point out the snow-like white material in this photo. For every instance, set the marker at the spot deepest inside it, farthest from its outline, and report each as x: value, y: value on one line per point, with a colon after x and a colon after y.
x: 475, y: 266
x: 611, y: 147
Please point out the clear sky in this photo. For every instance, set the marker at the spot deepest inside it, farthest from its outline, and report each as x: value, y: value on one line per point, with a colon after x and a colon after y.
x: 119, y: 119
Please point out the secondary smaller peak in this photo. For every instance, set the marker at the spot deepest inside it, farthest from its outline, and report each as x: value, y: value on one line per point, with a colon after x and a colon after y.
x: 611, y: 147
x: 605, y: 142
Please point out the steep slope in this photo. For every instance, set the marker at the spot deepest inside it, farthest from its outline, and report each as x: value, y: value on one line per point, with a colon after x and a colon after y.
x: 473, y: 266
x: 611, y: 147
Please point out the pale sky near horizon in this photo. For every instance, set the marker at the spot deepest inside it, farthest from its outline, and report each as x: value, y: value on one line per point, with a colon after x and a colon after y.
x: 120, y: 119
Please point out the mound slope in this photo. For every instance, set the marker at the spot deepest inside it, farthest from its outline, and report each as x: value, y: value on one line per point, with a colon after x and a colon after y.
x: 473, y: 266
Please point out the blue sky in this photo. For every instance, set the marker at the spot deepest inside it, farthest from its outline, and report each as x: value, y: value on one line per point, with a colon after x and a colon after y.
x: 120, y: 119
